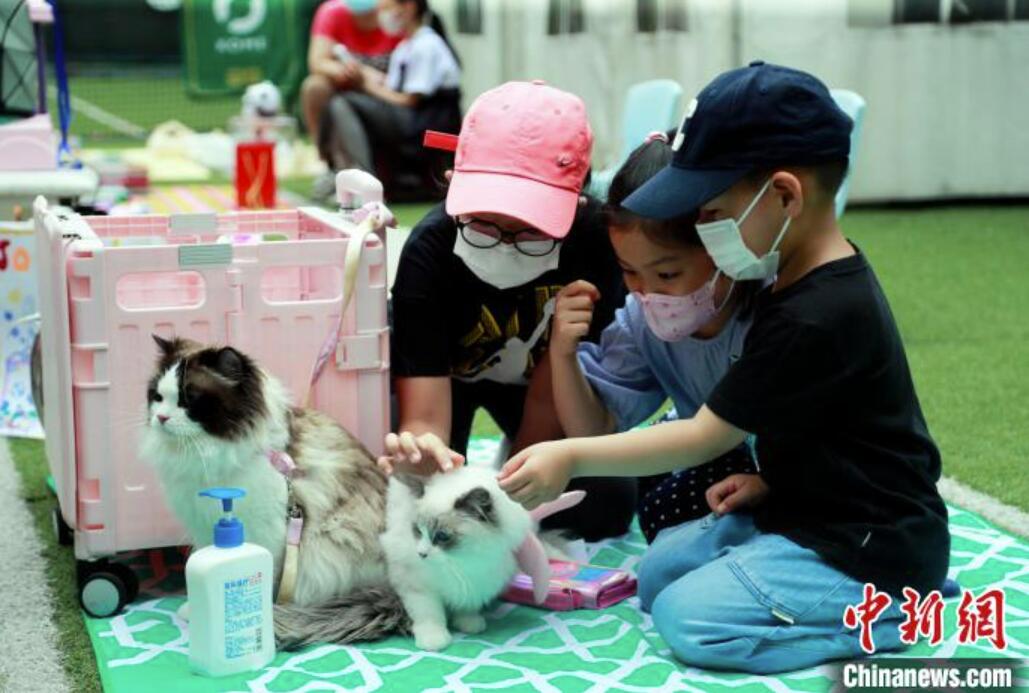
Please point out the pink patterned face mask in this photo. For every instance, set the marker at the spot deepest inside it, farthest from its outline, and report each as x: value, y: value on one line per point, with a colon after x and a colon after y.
x: 672, y: 318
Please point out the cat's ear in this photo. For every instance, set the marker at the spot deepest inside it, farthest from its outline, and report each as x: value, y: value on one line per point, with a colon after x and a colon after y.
x: 414, y: 482
x: 167, y: 347
x: 230, y: 364
x: 477, y: 503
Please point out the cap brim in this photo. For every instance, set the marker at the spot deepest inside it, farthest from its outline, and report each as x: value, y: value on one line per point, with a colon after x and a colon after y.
x: 674, y: 191
x: 541, y: 206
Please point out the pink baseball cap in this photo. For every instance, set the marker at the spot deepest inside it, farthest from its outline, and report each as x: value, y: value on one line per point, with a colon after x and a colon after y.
x: 523, y: 151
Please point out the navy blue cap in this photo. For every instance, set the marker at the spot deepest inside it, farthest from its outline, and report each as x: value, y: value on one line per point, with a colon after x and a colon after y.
x: 749, y: 119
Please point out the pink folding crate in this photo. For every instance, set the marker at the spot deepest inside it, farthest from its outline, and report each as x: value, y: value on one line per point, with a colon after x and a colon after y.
x: 269, y: 283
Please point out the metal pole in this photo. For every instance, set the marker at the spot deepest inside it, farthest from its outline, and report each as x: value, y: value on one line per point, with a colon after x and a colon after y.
x: 40, y: 67
x: 737, y: 32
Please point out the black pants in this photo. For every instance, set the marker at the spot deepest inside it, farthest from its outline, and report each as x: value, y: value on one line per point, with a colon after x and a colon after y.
x: 357, y: 127
x: 610, y: 502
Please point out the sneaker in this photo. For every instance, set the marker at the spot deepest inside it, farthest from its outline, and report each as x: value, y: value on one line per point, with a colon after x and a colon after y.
x: 324, y: 188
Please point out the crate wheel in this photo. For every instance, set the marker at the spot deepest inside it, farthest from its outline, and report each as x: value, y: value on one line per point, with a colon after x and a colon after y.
x: 36, y: 374
x: 65, y: 537
x: 128, y: 577
x: 102, y: 591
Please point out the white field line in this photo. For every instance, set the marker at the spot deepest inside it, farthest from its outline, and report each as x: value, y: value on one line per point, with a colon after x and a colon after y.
x: 1001, y: 514
x: 103, y: 117
x: 30, y: 660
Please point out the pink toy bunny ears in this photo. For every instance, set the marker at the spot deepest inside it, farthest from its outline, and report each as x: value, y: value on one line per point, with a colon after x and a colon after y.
x: 531, y: 556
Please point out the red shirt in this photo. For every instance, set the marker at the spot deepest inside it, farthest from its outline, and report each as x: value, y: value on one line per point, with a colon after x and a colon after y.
x: 335, y: 21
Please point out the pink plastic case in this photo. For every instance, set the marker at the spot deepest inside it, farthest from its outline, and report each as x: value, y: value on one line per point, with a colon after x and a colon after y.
x: 269, y: 283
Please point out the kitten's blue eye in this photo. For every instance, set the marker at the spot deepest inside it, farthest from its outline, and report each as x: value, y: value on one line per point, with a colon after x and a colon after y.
x: 154, y: 395
x: 441, y: 537
x: 417, y: 532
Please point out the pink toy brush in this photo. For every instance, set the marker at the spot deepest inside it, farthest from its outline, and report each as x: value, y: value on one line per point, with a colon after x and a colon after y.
x: 574, y: 586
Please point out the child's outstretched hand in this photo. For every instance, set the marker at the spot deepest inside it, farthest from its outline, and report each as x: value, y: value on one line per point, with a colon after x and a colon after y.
x: 572, y: 316
x: 537, y: 474
x: 736, y: 491
x: 425, y: 454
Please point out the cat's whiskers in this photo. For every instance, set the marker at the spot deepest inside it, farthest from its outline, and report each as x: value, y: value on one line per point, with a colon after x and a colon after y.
x: 130, y: 419
x: 459, y: 576
x: 191, y: 445
x: 203, y: 445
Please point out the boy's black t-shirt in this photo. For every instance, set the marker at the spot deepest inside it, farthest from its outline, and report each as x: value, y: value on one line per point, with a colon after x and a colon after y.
x: 446, y: 321
x: 824, y: 383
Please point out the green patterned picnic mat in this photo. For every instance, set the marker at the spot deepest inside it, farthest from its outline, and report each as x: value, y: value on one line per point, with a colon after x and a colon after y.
x: 524, y: 649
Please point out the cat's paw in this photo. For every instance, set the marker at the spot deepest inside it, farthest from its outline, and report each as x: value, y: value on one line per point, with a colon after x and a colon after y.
x: 183, y: 612
x: 470, y: 623
x: 432, y: 638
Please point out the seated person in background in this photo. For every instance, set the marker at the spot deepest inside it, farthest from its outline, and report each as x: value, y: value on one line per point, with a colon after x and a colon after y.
x: 377, y: 124
x: 344, y: 35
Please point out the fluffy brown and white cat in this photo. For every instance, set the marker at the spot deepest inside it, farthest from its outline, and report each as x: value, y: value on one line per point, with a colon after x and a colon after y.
x: 213, y: 418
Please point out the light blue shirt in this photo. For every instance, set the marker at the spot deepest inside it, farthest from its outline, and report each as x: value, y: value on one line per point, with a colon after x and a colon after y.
x: 633, y: 371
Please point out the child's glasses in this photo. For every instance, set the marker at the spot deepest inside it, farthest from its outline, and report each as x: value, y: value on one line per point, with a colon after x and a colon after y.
x: 484, y: 235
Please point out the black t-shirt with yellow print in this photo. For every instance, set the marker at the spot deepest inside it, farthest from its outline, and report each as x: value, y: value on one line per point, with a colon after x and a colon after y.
x: 446, y: 321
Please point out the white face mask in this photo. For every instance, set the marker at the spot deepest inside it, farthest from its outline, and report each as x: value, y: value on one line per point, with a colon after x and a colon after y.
x: 503, y: 265
x: 672, y: 318
x: 725, y: 245
x: 390, y: 23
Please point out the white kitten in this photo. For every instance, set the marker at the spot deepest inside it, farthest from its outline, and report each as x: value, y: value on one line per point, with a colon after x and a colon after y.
x: 450, y: 545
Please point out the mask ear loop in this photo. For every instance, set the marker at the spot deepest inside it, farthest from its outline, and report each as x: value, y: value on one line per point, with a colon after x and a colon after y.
x: 728, y: 295
x: 753, y: 202
x: 782, y: 232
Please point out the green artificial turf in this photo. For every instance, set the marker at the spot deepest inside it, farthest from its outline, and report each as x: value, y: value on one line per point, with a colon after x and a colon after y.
x: 957, y: 281
x: 144, y: 100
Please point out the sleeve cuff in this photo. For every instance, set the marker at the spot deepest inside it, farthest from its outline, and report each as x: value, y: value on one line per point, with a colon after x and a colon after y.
x: 727, y: 411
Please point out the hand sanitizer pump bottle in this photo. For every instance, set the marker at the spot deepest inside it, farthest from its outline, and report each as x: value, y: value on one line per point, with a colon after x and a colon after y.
x: 229, y: 587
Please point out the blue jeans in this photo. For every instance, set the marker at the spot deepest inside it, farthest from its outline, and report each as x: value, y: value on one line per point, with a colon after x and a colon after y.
x: 725, y: 595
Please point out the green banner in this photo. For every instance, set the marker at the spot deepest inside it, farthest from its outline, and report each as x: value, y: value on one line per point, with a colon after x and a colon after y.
x: 230, y: 44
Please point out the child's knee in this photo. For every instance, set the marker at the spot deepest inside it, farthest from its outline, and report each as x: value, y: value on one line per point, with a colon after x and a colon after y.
x: 670, y: 557
x: 652, y: 576
x: 686, y: 628
x: 697, y: 634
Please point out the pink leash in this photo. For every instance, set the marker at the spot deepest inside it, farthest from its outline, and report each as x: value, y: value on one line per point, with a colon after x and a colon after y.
x: 281, y: 461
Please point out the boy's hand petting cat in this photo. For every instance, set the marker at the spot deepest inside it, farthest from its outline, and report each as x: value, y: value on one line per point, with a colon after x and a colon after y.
x: 736, y: 491
x: 424, y: 454
x: 572, y: 316
x: 538, y: 474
